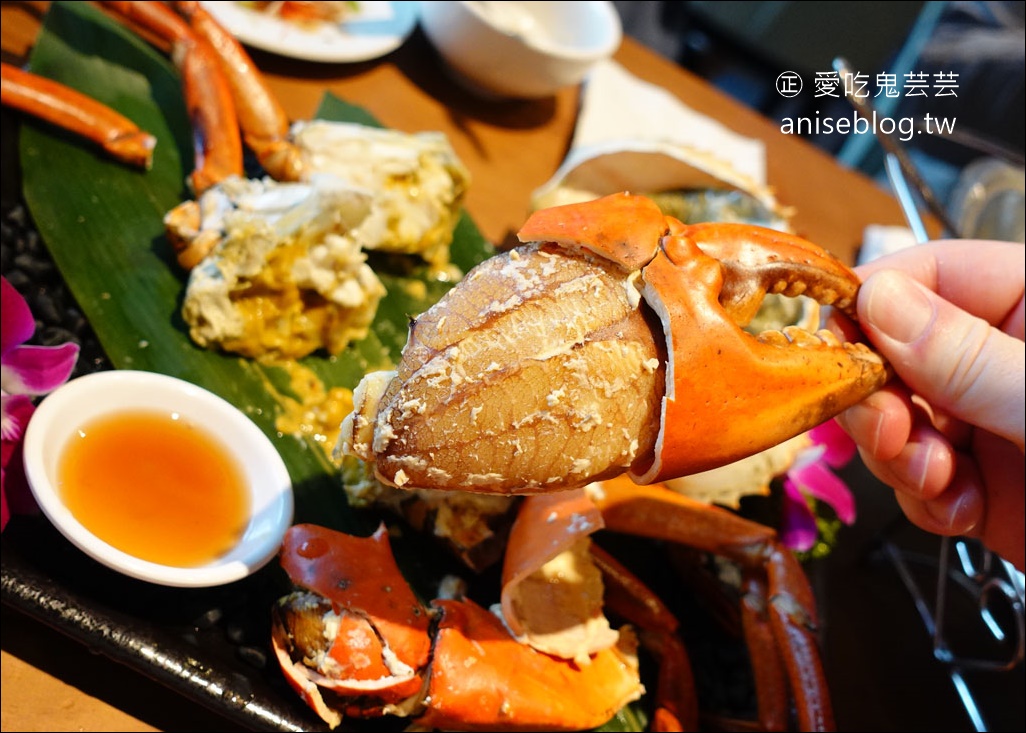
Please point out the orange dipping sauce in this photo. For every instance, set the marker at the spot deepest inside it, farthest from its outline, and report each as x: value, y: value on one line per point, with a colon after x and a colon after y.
x: 155, y: 487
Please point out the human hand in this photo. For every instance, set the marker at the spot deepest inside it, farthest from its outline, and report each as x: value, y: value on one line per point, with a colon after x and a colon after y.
x: 947, y: 434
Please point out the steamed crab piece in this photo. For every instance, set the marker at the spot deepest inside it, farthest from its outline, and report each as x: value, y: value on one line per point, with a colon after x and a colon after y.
x: 552, y: 593
x: 354, y: 628
x: 353, y: 640
x: 483, y: 679
x: 280, y: 270
x: 611, y: 341
x: 73, y: 111
x: 419, y: 182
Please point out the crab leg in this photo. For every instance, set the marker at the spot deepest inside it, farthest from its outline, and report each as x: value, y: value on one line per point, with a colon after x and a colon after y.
x: 264, y: 123
x: 768, y: 669
x: 74, y: 111
x: 653, y: 511
x: 216, y: 140
x: 676, y: 701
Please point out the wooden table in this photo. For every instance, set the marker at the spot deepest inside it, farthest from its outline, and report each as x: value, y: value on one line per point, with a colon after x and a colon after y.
x: 510, y: 148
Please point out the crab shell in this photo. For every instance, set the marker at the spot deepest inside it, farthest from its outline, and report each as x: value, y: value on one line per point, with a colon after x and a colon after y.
x: 450, y: 668
x: 376, y: 629
x: 540, y: 370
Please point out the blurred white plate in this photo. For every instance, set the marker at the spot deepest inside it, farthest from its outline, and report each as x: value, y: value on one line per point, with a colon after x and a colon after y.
x: 374, y: 29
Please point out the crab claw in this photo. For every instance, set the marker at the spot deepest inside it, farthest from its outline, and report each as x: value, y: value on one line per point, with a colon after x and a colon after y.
x: 611, y: 341
x: 753, y: 392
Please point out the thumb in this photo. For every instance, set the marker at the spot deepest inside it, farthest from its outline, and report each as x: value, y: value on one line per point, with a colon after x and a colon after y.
x: 954, y: 360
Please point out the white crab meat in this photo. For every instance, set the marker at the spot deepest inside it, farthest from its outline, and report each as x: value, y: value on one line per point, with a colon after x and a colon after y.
x: 287, y: 274
x: 418, y: 182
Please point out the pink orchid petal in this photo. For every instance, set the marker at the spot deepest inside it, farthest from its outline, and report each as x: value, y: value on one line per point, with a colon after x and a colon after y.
x: 18, y: 498
x: 18, y: 495
x: 25, y: 371
x: 820, y: 482
x: 798, y: 525
x: 37, y: 370
x: 17, y: 409
x: 5, y: 513
x: 16, y: 322
x: 840, y: 448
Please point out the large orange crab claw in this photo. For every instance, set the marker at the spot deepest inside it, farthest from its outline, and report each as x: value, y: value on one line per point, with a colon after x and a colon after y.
x: 541, y: 370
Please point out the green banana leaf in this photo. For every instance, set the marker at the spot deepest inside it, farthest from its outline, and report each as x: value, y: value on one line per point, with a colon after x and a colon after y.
x: 102, y: 223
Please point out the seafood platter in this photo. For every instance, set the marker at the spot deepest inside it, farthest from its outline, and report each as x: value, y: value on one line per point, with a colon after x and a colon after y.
x: 492, y: 450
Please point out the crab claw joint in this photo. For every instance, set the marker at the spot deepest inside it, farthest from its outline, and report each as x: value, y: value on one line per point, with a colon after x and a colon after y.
x: 610, y: 341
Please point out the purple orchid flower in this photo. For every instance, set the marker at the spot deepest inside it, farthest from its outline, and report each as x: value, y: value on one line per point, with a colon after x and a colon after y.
x: 811, y: 476
x: 26, y: 372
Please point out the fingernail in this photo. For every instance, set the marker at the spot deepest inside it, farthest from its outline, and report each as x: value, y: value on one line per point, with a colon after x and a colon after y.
x: 919, y: 465
x: 959, y: 515
x: 865, y: 421
x: 897, y: 306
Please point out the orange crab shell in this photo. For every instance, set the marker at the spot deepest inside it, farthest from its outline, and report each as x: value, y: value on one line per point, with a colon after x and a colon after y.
x: 480, y: 677
x: 360, y: 577
x: 559, y: 613
x: 483, y: 680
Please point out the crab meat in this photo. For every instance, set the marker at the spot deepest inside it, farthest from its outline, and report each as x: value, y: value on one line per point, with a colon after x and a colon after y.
x: 286, y: 274
x: 417, y: 181
x: 537, y: 366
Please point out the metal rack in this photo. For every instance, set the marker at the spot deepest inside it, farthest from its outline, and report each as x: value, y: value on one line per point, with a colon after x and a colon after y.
x: 989, y: 582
